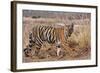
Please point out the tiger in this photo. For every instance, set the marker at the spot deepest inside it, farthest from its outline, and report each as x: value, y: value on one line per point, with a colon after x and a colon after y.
x: 50, y: 34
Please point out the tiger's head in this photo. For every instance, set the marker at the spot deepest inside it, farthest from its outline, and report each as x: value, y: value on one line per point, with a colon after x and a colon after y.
x: 68, y: 30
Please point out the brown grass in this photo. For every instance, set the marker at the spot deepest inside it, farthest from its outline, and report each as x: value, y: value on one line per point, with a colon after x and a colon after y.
x: 80, y: 39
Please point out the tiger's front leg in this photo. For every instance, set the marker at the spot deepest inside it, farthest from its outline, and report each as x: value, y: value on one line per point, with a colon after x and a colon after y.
x: 58, y: 51
x: 58, y: 45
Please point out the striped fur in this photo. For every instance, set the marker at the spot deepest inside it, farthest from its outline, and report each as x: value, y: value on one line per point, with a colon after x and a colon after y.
x: 50, y: 34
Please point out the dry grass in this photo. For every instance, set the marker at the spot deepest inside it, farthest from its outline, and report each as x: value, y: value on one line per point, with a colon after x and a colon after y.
x: 78, y: 46
x: 80, y: 40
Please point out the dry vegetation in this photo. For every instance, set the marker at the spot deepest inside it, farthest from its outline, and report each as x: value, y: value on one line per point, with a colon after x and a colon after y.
x: 77, y: 47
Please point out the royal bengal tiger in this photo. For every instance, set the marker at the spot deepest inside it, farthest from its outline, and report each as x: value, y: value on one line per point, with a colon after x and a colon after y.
x: 51, y: 34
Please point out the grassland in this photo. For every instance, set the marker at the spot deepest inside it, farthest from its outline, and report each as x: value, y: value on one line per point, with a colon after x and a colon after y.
x: 77, y: 47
